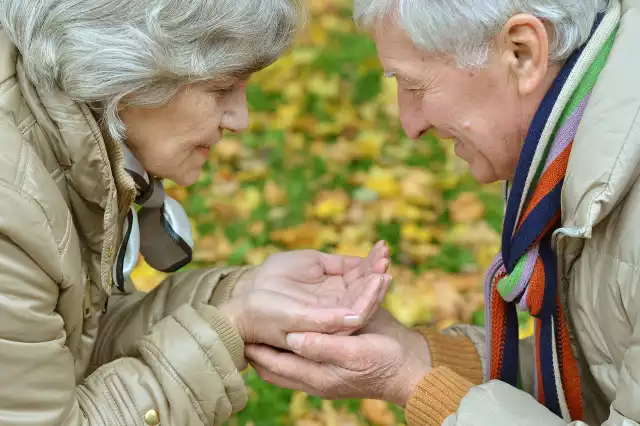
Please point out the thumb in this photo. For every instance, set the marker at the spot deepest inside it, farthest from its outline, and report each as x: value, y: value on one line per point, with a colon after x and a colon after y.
x: 327, y: 348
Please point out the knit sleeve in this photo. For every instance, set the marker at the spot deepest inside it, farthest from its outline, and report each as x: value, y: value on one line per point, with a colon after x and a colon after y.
x: 436, y: 397
x: 456, y: 352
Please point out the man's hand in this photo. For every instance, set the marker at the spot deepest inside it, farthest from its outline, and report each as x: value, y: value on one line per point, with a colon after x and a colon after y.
x: 384, y: 361
x: 318, y: 279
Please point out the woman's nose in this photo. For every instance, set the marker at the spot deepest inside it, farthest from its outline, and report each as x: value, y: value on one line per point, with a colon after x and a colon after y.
x: 236, y: 117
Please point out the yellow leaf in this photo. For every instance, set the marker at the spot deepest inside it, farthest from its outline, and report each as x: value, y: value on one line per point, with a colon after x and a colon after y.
x: 256, y: 228
x: 212, y: 248
x: 332, y: 205
x: 410, y: 304
x: 247, y: 201
x: 274, y: 195
x: 450, y: 302
x: 369, y: 144
x: 144, y: 277
x: 419, y: 188
x: 338, y: 154
x: 252, y: 170
x: 377, y: 412
x: 413, y: 232
x: 466, y: 208
x: 324, y: 86
x: 298, y: 405
x: 350, y: 249
x: 305, y: 236
x: 383, y: 182
x: 295, y: 142
x: 309, y: 422
x: 329, y: 414
x: 528, y: 330
x: 473, y: 235
x: 419, y: 253
x: 178, y: 193
x: 336, y: 23
x: 286, y: 115
x: 227, y: 150
x: 389, y: 97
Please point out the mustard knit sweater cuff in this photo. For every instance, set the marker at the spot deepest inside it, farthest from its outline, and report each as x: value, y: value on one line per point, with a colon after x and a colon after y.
x: 456, y: 352
x: 436, y: 397
x: 456, y: 369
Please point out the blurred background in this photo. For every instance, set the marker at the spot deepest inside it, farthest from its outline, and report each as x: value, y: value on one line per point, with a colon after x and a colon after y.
x: 327, y: 166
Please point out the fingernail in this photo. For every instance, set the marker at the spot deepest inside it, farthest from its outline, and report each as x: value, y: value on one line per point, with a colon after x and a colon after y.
x: 379, y: 243
x: 383, y: 292
x: 294, y: 340
x: 351, y: 320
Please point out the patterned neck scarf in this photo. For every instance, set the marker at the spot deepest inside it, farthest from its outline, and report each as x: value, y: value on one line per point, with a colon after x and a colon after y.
x: 524, y: 274
x: 158, y: 228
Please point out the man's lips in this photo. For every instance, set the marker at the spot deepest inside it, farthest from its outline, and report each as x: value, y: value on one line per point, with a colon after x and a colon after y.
x: 204, y: 150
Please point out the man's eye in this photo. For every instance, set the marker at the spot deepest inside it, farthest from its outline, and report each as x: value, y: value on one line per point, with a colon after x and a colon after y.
x: 416, y: 91
x: 226, y: 90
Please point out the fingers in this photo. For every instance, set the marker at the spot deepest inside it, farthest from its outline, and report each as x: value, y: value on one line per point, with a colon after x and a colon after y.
x: 323, y: 320
x: 376, y: 262
x: 335, y: 264
x: 288, y: 370
x: 384, y: 288
x: 324, y: 348
x: 365, y: 294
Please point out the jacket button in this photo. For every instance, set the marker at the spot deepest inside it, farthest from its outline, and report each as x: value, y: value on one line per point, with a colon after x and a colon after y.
x: 152, y: 418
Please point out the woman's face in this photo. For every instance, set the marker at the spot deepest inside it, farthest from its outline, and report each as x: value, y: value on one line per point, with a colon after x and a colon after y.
x: 173, y: 141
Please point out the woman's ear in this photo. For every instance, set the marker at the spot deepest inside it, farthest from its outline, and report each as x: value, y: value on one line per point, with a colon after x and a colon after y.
x: 524, y: 44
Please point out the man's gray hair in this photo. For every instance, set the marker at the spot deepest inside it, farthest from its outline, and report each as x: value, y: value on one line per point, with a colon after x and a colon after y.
x: 100, y: 52
x: 463, y: 29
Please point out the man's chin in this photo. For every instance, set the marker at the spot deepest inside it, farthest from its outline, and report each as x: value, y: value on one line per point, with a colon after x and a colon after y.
x: 483, y: 177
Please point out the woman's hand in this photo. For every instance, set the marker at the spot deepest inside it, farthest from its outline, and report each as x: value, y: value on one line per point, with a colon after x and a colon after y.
x: 384, y: 361
x: 317, y: 279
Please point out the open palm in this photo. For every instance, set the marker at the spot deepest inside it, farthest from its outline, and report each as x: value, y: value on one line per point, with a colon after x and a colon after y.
x: 318, y: 279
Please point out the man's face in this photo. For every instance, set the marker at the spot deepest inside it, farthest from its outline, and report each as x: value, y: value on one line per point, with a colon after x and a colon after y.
x: 481, y: 110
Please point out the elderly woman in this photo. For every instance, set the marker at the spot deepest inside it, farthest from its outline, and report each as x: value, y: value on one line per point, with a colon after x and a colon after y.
x: 99, y: 99
x: 543, y: 95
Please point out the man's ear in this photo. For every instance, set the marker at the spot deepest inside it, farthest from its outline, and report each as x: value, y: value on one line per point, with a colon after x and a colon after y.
x: 524, y: 44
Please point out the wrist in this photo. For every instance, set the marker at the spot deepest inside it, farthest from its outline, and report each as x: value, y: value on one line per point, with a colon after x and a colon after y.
x: 232, y: 311
x: 245, y: 283
x: 414, y: 369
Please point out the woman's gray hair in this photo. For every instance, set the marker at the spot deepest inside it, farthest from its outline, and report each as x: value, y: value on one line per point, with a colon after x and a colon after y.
x: 463, y: 29
x: 101, y: 51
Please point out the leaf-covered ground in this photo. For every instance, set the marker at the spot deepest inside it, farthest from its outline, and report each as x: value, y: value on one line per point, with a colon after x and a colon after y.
x: 326, y: 165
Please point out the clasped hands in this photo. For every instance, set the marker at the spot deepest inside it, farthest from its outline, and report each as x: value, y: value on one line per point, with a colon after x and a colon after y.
x: 312, y: 322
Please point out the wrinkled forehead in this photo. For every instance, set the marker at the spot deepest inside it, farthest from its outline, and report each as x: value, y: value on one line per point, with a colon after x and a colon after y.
x: 396, y: 50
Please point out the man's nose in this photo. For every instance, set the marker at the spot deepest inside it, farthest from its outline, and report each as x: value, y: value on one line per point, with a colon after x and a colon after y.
x: 413, y: 121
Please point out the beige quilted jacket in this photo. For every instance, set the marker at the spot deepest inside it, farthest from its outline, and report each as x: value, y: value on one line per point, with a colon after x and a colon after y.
x: 67, y: 357
x: 598, y: 250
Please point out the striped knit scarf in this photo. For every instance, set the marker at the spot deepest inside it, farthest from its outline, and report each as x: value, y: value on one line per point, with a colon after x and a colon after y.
x: 524, y: 274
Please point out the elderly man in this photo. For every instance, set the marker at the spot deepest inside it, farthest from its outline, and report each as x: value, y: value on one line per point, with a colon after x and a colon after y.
x: 543, y: 95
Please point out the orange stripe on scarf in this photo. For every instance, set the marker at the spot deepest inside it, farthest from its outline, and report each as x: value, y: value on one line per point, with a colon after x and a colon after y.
x: 549, y: 179
x: 569, y: 369
x: 536, y: 288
